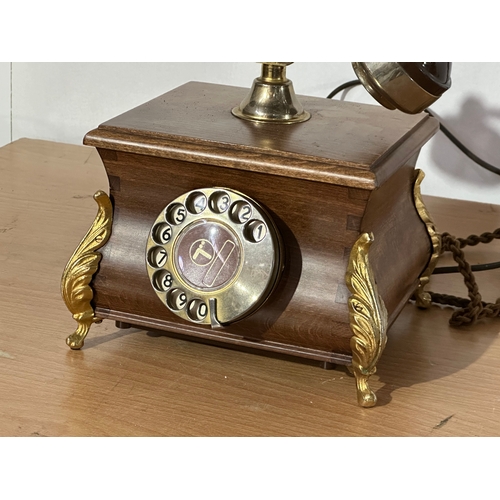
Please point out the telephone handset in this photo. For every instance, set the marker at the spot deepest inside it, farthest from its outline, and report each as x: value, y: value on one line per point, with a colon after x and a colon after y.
x: 213, y: 256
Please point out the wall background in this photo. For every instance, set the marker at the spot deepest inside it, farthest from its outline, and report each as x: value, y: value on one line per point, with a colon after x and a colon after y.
x: 4, y: 103
x: 63, y: 101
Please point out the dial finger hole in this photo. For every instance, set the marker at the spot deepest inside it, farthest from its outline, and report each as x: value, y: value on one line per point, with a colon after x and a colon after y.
x: 157, y: 257
x: 197, y: 310
x: 219, y: 202
x: 162, y: 281
x: 176, y: 214
x: 196, y: 202
x: 241, y: 212
x: 176, y: 299
x: 162, y: 233
x: 255, y: 231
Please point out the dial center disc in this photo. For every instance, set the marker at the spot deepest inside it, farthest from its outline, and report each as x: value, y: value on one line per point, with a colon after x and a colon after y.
x: 207, y: 255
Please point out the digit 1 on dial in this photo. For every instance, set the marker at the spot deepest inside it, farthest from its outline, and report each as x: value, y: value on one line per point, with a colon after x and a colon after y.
x: 255, y: 231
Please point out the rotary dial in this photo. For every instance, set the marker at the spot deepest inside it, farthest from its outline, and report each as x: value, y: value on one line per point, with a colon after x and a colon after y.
x: 213, y: 256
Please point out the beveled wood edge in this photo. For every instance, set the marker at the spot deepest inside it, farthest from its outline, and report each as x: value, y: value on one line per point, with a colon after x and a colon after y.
x: 242, y: 148
x: 387, y: 164
x: 346, y: 174
x: 227, y: 338
x: 274, y: 162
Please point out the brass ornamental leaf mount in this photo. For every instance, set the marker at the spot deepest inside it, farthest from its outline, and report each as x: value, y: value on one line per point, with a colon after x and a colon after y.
x: 83, y: 264
x: 368, y: 319
x: 423, y: 298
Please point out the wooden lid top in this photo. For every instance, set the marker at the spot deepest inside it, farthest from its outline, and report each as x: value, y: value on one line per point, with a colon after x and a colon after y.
x: 343, y: 143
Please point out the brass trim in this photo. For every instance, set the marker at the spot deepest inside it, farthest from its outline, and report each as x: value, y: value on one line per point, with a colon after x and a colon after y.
x: 259, y: 268
x: 422, y: 298
x: 272, y: 98
x: 368, y: 319
x: 83, y: 264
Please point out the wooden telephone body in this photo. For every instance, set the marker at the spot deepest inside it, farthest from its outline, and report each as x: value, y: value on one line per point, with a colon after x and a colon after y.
x: 347, y: 172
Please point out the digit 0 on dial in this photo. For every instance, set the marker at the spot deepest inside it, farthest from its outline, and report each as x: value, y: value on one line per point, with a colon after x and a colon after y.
x: 213, y: 256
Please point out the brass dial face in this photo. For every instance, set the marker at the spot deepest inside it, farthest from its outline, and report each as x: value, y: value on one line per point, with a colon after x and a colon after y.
x: 213, y: 256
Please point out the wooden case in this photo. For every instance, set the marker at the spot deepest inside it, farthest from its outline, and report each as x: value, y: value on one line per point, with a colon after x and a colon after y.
x: 347, y: 171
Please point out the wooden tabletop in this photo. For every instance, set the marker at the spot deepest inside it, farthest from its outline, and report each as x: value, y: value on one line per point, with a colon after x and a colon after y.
x: 432, y: 380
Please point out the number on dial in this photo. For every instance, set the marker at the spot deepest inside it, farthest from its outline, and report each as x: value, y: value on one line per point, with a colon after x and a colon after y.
x: 241, y: 212
x: 176, y: 299
x: 197, y: 310
x: 219, y: 202
x: 158, y: 257
x: 196, y: 203
x: 163, y: 281
x: 256, y: 231
x: 177, y: 214
x: 162, y: 233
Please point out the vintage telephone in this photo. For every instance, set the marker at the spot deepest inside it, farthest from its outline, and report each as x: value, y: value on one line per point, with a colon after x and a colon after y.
x: 269, y: 225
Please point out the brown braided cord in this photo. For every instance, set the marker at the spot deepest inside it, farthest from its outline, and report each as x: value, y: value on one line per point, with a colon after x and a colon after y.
x: 474, y: 240
x: 471, y: 309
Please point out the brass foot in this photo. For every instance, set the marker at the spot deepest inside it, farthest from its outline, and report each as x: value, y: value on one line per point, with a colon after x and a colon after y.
x: 366, y: 397
x: 83, y: 264
x: 422, y: 298
x: 77, y: 338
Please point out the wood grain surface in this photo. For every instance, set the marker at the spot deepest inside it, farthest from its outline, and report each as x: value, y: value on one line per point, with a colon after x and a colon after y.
x: 312, y: 218
x: 307, y: 315
x: 194, y: 123
x: 432, y: 380
x: 318, y: 220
